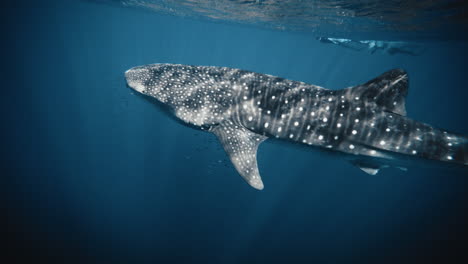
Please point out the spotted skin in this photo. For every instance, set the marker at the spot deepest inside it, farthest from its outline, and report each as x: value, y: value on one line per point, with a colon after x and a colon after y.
x: 367, y: 122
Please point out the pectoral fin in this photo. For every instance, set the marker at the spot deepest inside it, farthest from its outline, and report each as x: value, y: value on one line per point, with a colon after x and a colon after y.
x: 367, y: 167
x: 241, y: 146
x: 368, y: 170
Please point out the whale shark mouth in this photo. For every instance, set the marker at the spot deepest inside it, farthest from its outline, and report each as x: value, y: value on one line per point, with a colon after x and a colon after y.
x: 136, y: 86
x: 133, y: 80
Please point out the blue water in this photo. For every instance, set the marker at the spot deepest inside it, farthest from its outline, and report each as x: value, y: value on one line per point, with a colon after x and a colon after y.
x: 92, y: 173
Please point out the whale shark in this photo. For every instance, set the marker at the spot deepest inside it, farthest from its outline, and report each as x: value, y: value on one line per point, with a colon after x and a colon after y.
x: 366, y: 123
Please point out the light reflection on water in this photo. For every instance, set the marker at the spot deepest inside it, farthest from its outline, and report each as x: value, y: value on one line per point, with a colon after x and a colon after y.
x: 404, y: 19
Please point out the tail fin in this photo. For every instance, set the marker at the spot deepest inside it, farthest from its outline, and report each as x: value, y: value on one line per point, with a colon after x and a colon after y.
x: 459, y: 150
x: 444, y: 146
x: 388, y: 90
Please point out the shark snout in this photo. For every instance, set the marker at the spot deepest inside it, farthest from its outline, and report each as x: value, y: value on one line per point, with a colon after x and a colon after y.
x: 136, y: 78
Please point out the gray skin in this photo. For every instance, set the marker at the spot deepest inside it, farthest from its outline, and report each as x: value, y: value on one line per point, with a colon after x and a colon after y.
x: 367, y: 122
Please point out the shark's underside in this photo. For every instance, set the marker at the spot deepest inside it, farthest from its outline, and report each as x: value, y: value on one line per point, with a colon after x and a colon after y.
x: 367, y: 122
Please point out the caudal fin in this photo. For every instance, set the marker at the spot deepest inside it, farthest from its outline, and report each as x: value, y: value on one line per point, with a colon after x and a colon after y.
x: 458, y: 149
x: 444, y: 146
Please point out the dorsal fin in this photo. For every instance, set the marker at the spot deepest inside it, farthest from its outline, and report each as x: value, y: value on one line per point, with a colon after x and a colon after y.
x: 388, y: 90
x: 241, y: 146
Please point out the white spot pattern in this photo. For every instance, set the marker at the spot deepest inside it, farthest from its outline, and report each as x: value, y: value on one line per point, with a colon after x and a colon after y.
x: 209, y: 96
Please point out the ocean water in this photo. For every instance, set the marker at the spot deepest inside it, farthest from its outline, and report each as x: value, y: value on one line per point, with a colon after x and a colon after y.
x: 93, y: 173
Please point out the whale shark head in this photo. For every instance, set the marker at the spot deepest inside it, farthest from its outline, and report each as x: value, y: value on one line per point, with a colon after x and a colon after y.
x: 199, y: 96
x: 155, y: 80
x: 138, y: 78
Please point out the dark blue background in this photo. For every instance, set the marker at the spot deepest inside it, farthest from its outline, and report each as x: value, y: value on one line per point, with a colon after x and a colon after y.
x: 92, y: 173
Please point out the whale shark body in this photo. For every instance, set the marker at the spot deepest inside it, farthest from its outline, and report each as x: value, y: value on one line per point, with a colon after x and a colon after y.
x: 367, y: 123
